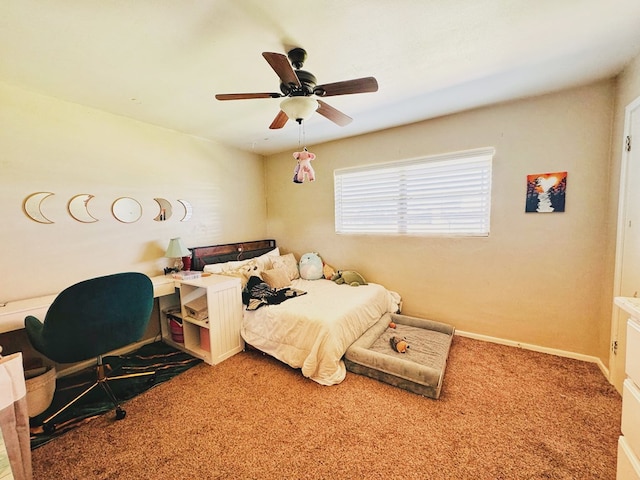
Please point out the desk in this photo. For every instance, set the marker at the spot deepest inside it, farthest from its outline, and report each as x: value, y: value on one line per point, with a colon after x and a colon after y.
x: 12, y: 314
x: 213, y: 342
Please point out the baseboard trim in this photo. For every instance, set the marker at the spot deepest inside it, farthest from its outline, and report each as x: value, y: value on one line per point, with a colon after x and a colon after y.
x: 538, y: 348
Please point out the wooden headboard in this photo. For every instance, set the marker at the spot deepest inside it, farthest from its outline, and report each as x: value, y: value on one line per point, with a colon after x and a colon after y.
x: 201, y: 256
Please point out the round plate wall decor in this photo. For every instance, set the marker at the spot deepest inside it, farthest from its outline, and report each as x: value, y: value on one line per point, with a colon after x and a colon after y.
x: 127, y: 209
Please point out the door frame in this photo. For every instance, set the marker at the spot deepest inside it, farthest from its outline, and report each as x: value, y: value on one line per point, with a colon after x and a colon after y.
x: 617, y: 317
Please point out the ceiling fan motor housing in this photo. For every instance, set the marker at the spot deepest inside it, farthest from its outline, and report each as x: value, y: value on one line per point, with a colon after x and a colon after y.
x: 308, y: 84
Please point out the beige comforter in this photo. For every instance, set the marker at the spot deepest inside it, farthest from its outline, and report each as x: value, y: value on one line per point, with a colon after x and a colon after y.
x: 313, y: 331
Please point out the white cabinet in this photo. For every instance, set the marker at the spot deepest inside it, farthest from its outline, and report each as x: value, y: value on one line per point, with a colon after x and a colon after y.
x: 628, y: 466
x: 629, y: 441
x: 631, y: 415
x: 632, y: 360
x: 210, y: 309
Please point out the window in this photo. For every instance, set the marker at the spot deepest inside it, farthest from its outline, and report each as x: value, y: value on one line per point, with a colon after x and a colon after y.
x: 437, y: 195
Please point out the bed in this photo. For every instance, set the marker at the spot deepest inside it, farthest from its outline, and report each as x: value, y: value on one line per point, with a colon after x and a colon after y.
x: 310, y: 330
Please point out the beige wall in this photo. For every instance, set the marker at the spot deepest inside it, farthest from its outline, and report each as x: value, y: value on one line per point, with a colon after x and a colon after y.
x: 538, y: 278
x: 68, y: 149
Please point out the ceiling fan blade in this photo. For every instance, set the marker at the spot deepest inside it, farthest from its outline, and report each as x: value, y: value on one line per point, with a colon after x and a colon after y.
x: 336, y: 116
x: 244, y: 96
x: 347, y: 87
x: 282, y: 67
x: 279, y: 121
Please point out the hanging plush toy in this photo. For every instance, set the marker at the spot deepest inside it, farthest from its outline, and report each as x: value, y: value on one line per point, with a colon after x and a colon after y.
x: 303, y: 168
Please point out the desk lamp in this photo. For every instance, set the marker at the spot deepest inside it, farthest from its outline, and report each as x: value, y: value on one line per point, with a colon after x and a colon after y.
x: 176, y: 250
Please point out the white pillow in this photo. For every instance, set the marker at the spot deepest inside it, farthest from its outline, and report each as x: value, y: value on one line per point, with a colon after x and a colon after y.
x: 213, y: 268
x: 273, y: 253
x: 249, y: 268
x: 241, y: 274
x: 276, y: 278
x: 224, y: 267
x: 265, y: 263
x: 289, y: 263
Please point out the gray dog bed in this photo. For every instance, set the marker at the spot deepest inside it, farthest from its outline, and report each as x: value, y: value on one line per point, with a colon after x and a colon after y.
x: 419, y: 370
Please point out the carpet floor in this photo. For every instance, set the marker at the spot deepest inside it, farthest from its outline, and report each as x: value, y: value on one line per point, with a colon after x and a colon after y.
x: 165, y: 360
x: 504, y: 413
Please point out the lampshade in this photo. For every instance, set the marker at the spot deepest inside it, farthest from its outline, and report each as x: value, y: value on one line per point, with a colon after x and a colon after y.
x: 176, y: 249
x: 299, y: 108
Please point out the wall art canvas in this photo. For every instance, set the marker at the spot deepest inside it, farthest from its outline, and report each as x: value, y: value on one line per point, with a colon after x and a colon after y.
x: 546, y: 192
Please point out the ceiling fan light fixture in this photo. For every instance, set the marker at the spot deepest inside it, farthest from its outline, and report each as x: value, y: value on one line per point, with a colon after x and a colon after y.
x: 299, y: 108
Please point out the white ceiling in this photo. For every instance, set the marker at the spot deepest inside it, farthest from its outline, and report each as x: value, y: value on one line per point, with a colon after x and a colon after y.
x: 162, y: 61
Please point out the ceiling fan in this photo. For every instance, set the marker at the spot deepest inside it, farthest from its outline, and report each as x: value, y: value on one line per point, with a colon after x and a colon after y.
x: 302, y: 91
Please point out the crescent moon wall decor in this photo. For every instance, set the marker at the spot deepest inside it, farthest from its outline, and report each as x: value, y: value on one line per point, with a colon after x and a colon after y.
x: 79, y: 209
x: 165, y: 210
x: 126, y: 209
x: 33, y: 206
x: 188, y: 210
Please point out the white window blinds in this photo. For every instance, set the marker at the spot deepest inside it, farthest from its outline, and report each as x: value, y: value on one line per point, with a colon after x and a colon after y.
x: 437, y: 195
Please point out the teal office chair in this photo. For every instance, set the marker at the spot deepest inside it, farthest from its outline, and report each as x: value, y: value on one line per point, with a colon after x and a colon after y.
x: 90, y: 319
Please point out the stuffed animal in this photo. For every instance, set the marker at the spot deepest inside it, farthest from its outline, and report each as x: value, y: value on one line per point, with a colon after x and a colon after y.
x: 348, y: 277
x: 400, y: 345
x: 311, y: 266
x: 303, y: 168
x: 328, y: 271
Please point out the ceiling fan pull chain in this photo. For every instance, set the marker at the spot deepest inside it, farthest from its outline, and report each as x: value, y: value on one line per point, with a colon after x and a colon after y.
x: 301, y: 132
x: 304, y: 140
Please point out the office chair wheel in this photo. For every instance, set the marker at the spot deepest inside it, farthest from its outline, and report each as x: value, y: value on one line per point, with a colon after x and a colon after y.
x: 49, y: 428
x: 120, y: 413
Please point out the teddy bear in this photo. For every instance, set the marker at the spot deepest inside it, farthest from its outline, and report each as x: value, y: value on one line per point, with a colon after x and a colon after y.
x: 400, y: 345
x: 311, y: 266
x: 348, y: 277
x: 303, y: 168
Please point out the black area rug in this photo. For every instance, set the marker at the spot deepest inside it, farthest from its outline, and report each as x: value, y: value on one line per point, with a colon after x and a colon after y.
x: 164, y: 359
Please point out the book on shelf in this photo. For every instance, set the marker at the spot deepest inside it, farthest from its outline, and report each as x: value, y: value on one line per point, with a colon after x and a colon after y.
x: 187, y: 275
